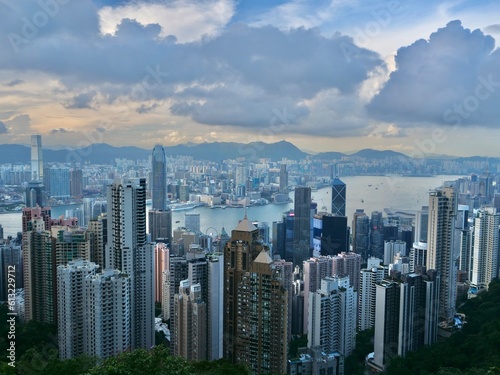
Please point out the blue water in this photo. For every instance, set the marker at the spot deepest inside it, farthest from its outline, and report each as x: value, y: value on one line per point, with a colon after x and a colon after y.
x: 372, y: 193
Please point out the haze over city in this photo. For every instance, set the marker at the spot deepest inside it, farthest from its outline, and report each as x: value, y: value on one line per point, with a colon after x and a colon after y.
x: 325, y: 75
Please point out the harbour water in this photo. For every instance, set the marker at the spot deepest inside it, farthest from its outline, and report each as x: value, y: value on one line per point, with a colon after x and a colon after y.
x: 371, y: 193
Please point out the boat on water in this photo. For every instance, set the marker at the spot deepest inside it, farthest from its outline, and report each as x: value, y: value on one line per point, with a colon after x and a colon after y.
x: 184, y: 206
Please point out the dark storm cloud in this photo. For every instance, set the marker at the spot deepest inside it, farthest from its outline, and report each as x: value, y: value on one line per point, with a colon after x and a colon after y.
x: 453, y: 78
x: 81, y: 101
x: 14, y: 82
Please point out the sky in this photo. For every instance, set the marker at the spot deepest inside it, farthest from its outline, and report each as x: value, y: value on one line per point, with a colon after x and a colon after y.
x: 418, y: 77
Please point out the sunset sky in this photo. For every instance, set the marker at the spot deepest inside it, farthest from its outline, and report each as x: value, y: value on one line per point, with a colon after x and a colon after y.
x: 417, y: 77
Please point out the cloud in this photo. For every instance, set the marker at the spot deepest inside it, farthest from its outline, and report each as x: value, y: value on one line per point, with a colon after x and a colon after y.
x: 188, y: 20
x: 453, y: 78
x: 14, y: 82
x: 493, y: 29
x: 3, y: 128
x: 81, y: 101
x: 147, y: 108
x: 60, y: 131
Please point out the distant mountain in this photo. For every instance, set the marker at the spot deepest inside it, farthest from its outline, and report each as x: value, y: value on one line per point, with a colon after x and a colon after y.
x: 218, y: 151
x: 376, y: 154
x: 331, y: 155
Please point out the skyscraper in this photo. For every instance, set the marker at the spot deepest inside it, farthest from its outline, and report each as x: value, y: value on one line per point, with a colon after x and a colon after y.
x: 262, y: 319
x: 159, y: 174
x: 71, y: 306
x: 301, y: 225
x: 440, y: 248
x: 360, y: 233
x: 369, y: 278
x: 36, y: 158
x: 486, y: 247
x: 376, y: 235
x: 128, y: 252
x: 332, y: 316
x: 59, y: 182
x: 239, y: 254
x: 76, y: 183
x: 283, y: 179
x: 190, y: 331
x: 338, y: 197
x: 160, y: 225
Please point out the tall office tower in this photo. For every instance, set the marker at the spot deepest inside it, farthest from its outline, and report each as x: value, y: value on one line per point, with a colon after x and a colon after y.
x: 162, y: 256
x: 332, y: 316
x: 412, y: 314
x: 1, y: 232
x: 177, y: 271
x: 191, y: 318
x: 160, y: 225
x: 215, y: 306
x: 386, y: 322
x: 261, y: 341
x: 159, y: 174
x: 348, y: 264
x: 128, y: 252
x: 298, y: 308
x: 368, y: 279
x: 486, y: 247
x: 440, y: 247
x: 71, y: 306
x: 496, y: 201
x: 314, y: 270
x: 391, y: 248
x: 289, y: 221
x: 76, y: 183
x: 301, y: 225
x: 278, y: 239
x: 377, y: 235
x: 283, y: 271
x: 35, y: 194
x: 283, y: 179
x: 10, y: 256
x: 464, y: 233
x: 421, y: 224
x: 59, y: 182
x: 99, y: 227
x: 338, y: 197
x: 39, y: 289
x: 334, y: 235
x: 239, y: 254
x: 241, y: 175
x: 192, y: 221
x: 107, y: 328
x: 36, y: 158
x: 360, y: 233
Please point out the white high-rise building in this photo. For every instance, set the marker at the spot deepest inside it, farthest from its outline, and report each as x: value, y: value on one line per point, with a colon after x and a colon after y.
x: 107, y: 324
x: 215, y: 306
x: 440, y: 247
x: 128, y: 251
x: 332, y: 316
x: 71, y: 306
x: 367, y: 295
x: 315, y: 269
x: 485, y: 251
x: 36, y: 158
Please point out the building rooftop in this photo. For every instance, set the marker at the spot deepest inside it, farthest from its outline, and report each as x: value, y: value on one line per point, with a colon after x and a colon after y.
x: 245, y: 225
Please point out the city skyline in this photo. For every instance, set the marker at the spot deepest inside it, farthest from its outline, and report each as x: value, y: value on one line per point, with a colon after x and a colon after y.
x: 328, y: 76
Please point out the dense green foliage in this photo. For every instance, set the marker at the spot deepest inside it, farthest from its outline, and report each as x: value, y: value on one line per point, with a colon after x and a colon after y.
x: 296, y: 343
x: 355, y: 363
x: 474, y: 350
